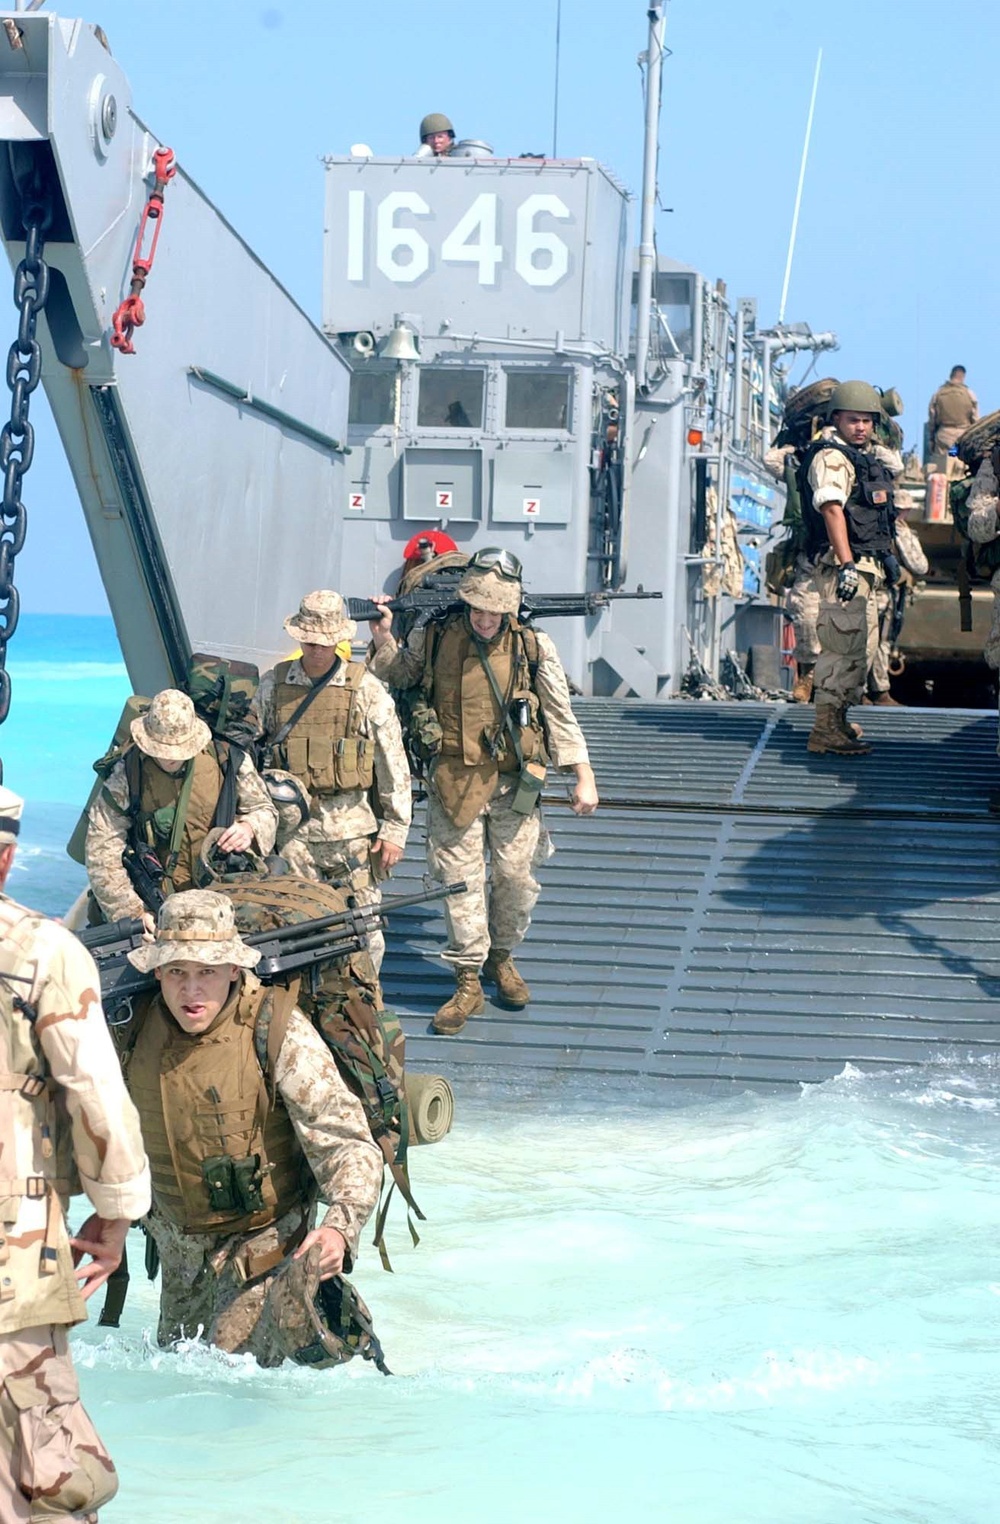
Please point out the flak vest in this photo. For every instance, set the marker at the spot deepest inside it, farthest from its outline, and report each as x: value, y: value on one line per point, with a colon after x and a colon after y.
x: 158, y: 794
x: 37, y: 1284
x: 476, y: 746
x: 203, y: 1098
x: 325, y: 749
x: 953, y: 407
x: 869, y: 512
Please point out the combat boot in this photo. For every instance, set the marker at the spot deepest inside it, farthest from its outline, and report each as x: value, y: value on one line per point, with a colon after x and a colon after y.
x: 802, y: 688
x: 468, y: 1000
x: 830, y: 734
x: 886, y: 700
x: 511, y: 988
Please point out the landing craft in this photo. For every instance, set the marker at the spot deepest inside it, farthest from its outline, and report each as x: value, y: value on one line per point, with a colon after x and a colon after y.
x: 496, y: 359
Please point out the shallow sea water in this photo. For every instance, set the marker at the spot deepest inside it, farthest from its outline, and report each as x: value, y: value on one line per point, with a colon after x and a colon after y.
x: 751, y: 1311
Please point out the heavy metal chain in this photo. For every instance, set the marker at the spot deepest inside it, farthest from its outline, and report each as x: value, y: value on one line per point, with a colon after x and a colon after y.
x: 17, y: 437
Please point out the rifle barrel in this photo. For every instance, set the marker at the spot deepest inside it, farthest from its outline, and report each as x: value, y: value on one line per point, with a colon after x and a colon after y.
x: 551, y: 605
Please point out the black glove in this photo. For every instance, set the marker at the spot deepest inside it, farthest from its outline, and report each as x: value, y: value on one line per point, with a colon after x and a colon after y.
x: 847, y: 582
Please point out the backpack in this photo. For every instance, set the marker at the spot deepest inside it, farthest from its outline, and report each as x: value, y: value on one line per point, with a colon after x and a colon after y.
x: 121, y: 742
x: 981, y: 561
x: 223, y: 694
x: 343, y: 1001
x: 805, y: 413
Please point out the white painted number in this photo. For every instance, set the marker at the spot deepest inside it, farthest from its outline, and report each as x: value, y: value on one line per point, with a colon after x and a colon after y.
x: 444, y: 499
x: 393, y: 240
x: 356, y: 501
x: 458, y: 247
x: 403, y: 255
x: 532, y: 244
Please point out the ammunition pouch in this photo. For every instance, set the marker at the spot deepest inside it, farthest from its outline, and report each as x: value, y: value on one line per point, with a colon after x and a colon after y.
x: 528, y: 792
x: 421, y: 725
x: 234, y: 1185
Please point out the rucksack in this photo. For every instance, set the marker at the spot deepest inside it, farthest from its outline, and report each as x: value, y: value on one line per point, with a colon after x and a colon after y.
x: 223, y: 693
x: 981, y: 561
x: 121, y: 742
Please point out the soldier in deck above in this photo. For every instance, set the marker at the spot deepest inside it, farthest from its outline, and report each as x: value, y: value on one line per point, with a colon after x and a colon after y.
x: 66, y: 1124
x: 952, y: 409
x: 170, y: 788
x: 847, y: 499
x: 328, y: 721
x: 248, y: 1123
x: 496, y: 699
x: 437, y: 136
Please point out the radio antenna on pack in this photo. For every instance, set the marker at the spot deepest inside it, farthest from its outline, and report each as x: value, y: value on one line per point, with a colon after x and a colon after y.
x: 798, y: 193
x: 555, y: 90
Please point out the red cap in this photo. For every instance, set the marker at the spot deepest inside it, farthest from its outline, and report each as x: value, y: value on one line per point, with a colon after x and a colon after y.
x: 442, y: 544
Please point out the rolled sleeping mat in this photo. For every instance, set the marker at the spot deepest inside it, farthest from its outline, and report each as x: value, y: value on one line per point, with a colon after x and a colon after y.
x: 432, y: 1107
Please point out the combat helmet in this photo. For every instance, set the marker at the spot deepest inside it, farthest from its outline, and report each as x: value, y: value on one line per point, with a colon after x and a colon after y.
x: 318, y: 1323
x: 291, y: 800
x: 855, y: 397
x: 217, y: 866
x: 435, y: 121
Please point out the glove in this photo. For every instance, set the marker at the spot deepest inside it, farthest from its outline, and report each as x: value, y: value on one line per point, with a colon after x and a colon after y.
x: 847, y: 582
x: 892, y: 569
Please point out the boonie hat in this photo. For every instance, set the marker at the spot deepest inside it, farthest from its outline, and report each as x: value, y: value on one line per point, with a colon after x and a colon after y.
x: 11, y: 806
x: 321, y: 620
x: 170, y: 731
x: 197, y: 926
x: 488, y: 591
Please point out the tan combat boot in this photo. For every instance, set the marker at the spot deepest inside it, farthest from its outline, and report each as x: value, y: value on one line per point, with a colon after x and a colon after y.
x: 802, y: 688
x: 830, y: 734
x: 886, y: 701
x: 511, y: 988
x: 468, y: 1000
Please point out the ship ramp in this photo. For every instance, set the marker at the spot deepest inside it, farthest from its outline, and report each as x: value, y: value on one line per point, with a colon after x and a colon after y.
x: 740, y: 914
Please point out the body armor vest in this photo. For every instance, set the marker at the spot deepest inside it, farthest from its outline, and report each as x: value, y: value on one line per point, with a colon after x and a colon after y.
x: 476, y: 744
x: 325, y: 749
x: 869, y: 512
x: 223, y: 1157
x: 35, y: 1163
x: 953, y: 406
x: 158, y: 794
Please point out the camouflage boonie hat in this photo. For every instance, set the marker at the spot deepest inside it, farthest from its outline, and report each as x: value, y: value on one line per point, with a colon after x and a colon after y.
x: 197, y: 926
x: 488, y: 591
x: 321, y: 620
x: 317, y: 1323
x: 170, y: 731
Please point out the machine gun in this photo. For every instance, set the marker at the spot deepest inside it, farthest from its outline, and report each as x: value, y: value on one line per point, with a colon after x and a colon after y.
x: 303, y: 947
x: 429, y: 602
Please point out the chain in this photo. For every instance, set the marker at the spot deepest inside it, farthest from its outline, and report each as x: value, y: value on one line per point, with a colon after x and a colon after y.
x: 17, y: 437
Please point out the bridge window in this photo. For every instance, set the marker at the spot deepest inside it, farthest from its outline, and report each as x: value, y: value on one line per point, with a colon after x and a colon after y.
x: 373, y: 398
x: 451, y: 399
x: 537, y: 399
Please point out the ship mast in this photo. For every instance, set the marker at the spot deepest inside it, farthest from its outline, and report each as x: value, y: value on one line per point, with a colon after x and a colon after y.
x: 647, y: 245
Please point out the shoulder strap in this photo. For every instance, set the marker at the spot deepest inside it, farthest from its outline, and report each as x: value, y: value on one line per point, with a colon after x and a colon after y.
x: 300, y: 709
x: 270, y: 1028
x: 506, y: 720
x: 230, y: 759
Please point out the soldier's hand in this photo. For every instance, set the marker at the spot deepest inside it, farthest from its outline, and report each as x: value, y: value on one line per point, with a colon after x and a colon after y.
x: 388, y: 854
x: 103, y: 1239
x: 237, y: 838
x: 333, y: 1250
x: 584, y: 796
x: 847, y: 582
x: 381, y: 628
x: 148, y: 920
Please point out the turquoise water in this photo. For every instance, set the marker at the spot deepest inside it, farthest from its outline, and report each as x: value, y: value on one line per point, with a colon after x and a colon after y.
x: 756, y: 1311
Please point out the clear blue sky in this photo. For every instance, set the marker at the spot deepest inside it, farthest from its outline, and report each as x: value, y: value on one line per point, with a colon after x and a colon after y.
x: 896, y: 247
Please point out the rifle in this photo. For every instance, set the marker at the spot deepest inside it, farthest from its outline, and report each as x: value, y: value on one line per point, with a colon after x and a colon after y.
x: 145, y: 875
x: 303, y: 947
x: 435, y: 602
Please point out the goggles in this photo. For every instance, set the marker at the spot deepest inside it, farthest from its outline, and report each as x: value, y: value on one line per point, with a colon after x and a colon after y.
x: 504, y: 562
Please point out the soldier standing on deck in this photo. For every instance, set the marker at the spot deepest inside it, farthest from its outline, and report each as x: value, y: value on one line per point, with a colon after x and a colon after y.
x: 952, y: 409
x: 502, y: 704
x: 66, y: 1123
x: 328, y: 721
x: 163, y: 796
x: 848, y: 515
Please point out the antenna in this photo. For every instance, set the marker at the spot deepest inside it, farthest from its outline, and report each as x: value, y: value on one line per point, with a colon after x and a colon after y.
x: 798, y: 193
x: 555, y: 93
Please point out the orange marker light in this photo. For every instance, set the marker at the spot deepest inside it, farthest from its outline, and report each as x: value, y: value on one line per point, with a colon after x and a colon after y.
x: 695, y: 436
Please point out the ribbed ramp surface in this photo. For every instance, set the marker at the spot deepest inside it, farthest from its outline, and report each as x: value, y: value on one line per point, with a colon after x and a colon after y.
x: 741, y: 913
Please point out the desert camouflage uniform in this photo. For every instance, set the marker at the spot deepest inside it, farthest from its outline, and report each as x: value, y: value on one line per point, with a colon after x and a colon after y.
x: 848, y: 632
x: 107, y: 834
x: 202, y: 1285
x: 517, y: 843
x: 45, y: 1435
x: 953, y: 408
x: 335, y: 843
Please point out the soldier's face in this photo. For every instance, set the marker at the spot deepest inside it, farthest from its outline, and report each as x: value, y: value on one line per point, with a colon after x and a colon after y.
x: 317, y: 660
x: 485, y: 625
x: 439, y: 142
x: 856, y: 428
x: 194, y: 993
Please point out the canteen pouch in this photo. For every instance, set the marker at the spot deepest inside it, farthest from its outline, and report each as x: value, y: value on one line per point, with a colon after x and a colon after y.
x: 234, y: 1185
x: 527, y: 794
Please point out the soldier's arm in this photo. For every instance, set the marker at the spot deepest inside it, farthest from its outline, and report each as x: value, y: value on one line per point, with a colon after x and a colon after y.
x: 392, y: 769
x: 983, y: 505
x: 395, y: 665
x: 332, y: 1130
x: 107, y: 837
x: 254, y: 806
x: 831, y: 477
x: 74, y: 1038
x: 566, y: 741
x: 263, y: 706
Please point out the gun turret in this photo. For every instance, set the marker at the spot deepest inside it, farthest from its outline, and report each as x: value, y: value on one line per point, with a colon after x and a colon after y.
x: 434, y: 603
